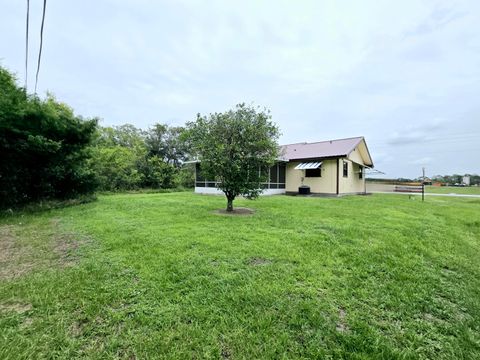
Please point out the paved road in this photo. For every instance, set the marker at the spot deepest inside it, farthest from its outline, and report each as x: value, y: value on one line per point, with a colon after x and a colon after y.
x: 426, y: 194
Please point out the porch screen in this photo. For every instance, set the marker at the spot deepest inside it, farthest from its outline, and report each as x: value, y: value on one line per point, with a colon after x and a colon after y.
x: 200, y: 181
x: 275, y: 177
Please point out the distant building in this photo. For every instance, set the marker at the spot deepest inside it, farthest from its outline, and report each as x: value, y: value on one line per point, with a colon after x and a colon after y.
x: 427, y: 181
x: 466, y: 180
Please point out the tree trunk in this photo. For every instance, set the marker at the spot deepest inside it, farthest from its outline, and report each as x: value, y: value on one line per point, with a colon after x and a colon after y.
x: 229, y: 204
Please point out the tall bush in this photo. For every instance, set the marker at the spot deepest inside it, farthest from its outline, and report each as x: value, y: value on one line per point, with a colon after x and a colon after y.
x: 44, y: 147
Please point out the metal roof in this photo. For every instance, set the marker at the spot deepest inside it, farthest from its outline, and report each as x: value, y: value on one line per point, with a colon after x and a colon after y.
x: 321, y: 149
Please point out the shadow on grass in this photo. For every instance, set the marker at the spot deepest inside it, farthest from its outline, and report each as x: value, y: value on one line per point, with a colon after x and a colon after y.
x: 46, y: 205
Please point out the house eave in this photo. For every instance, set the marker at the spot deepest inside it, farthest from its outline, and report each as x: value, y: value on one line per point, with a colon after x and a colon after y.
x: 333, y: 157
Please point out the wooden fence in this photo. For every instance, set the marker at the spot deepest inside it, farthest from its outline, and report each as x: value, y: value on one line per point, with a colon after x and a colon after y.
x: 397, y: 186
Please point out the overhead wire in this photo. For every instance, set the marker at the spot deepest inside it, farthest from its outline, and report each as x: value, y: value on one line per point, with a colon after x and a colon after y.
x: 41, y: 44
x: 26, y: 44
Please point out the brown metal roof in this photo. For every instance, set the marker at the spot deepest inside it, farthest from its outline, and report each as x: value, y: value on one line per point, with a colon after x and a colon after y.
x: 321, y: 149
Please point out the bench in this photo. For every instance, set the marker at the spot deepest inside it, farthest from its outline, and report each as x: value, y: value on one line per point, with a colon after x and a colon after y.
x: 409, y: 188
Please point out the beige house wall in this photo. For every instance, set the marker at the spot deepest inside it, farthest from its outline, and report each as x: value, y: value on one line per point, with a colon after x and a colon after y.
x: 326, y: 184
x: 355, y: 156
x: 352, y: 183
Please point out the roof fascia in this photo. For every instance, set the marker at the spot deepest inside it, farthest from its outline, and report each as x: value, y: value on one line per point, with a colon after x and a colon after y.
x: 366, y: 147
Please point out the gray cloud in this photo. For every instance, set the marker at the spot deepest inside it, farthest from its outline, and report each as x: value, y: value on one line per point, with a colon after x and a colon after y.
x: 406, y: 75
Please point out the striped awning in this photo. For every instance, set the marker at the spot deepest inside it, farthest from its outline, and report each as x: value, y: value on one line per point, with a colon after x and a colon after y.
x: 308, y: 165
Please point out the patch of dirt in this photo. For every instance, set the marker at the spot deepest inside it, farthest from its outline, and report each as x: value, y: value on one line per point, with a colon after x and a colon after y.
x: 236, y: 211
x: 7, y: 251
x: 225, y: 351
x: 226, y: 354
x: 126, y: 354
x: 76, y: 329
x: 23, y: 250
x: 66, y: 247
x: 258, y: 261
x: 7, y: 240
x: 16, y: 307
x: 26, y: 323
x: 12, y: 254
x: 341, y: 323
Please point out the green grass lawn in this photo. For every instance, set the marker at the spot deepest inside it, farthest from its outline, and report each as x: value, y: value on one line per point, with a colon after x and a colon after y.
x: 470, y: 190
x: 163, y: 276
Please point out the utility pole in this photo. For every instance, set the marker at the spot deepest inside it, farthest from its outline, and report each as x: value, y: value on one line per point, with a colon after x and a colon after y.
x: 423, y: 183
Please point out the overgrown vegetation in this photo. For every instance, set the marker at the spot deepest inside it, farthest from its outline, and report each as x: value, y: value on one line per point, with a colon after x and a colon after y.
x: 44, y: 147
x: 164, y: 276
x: 48, y: 152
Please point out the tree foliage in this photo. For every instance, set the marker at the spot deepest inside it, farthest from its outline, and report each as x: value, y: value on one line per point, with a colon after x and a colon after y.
x: 43, y: 146
x: 115, y: 168
x: 126, y: 135
x: 128, y: 158
x: 168, y: 143
x: 233, y: 147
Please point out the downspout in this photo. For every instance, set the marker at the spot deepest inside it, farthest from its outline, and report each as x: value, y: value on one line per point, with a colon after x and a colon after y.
x: 338, y: 176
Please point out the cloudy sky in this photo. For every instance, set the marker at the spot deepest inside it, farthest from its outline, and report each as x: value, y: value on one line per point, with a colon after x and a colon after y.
x: 404, y: 74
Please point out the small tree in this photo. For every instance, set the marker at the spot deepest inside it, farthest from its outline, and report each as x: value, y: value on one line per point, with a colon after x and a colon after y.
x: 234, y: 147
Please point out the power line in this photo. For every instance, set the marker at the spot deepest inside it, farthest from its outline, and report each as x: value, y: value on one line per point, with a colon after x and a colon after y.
x: 41, y: 44
x: 26, y: 45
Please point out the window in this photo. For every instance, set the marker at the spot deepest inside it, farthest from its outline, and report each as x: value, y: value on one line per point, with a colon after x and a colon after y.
x: 313, y: 172
x: 360, y: 173
x: 345, y: 169
x: 274, y: 174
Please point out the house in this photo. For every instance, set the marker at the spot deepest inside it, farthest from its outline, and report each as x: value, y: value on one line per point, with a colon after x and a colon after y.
x: 333, y: 167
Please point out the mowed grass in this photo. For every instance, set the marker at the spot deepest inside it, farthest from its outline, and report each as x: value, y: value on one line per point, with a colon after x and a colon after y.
x: 468, y: 190
x: 163, y: 276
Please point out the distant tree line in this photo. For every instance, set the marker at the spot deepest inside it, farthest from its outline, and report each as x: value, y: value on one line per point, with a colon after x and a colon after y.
x: 47, y: 152
x: 443, y: 179
x: 127, y: 158
x: 456, y: 179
